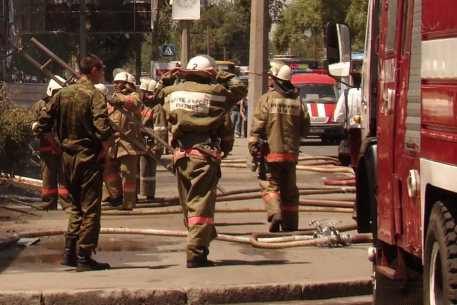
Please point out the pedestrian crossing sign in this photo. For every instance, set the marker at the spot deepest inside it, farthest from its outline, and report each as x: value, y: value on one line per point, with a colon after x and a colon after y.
x: 168, y: 50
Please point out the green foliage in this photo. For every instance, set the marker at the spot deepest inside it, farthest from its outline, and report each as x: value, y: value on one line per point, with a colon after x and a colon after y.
x: 313, y: 15
x: 14, y: 137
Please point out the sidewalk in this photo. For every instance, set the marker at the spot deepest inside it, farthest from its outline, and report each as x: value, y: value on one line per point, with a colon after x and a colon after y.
x: 151, y: 269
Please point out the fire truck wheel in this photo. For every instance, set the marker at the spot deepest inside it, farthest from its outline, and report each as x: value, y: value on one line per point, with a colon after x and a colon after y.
x: 440, y: 257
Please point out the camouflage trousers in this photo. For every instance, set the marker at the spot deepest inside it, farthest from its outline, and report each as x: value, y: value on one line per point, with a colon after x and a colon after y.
x: 280, y: 193
x: 197, y: 179
x: 53, y: 188
x: 84, y: 179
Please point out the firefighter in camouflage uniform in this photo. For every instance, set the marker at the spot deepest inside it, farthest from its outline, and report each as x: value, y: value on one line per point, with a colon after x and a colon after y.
x: 198, y: 113
x: 53, y: 188
x: 80, y: 114
x: 154, y: 117
x: 281, y: 120
x: 121, y: 170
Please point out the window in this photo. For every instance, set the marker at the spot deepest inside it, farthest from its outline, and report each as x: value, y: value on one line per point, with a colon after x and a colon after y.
x: 391, y: 25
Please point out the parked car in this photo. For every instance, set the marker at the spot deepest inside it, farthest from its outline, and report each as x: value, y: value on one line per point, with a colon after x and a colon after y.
x: 320, y: 93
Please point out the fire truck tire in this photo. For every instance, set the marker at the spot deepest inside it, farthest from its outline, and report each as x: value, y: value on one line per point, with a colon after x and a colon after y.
x: 440, y: 257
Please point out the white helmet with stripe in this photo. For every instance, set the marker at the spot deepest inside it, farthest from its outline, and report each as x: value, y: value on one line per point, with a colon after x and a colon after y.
x: 53, y: 85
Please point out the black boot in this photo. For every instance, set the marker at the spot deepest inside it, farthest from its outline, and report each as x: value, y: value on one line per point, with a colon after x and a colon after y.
x: 276, y: 222
x: 197, y: 257
x: 69, y: 254
x: 86, y: 263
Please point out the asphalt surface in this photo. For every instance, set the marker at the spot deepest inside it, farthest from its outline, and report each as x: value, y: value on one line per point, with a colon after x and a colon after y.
x: 151, y: 269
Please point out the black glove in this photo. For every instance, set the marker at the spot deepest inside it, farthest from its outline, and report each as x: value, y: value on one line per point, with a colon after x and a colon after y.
x: 226, y: 147
x: 253, y: 149
x: 114, y: 100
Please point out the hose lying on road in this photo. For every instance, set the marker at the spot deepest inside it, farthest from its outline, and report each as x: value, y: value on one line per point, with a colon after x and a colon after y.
x: 223, y: 210
x: 274, y: 244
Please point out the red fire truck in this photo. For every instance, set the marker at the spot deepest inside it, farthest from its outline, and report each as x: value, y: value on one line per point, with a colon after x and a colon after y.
x: 406, y: 194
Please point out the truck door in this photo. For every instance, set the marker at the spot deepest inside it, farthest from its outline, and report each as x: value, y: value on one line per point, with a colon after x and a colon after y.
x: 389, y: 54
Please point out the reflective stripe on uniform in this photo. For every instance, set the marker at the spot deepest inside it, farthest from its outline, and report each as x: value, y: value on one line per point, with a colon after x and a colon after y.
x: 200, y: 220
x: 49, y: 191
x: 289, y: 157
x: 129, y: 103
x: 289, y: 208
x: 63, y: 191
x: 111, y: 176
x: 46, y: 149
x: 160, y: 128
x: 271, y: 195
x: 147, y: 112
x: 129, y: 188
x: 147, y: 178
x: 179, y: 153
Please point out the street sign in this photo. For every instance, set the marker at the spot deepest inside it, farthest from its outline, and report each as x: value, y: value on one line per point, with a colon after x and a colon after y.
x: 168, y: 50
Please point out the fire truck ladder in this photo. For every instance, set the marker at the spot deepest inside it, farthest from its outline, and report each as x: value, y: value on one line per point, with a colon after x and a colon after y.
x: 53, y: 57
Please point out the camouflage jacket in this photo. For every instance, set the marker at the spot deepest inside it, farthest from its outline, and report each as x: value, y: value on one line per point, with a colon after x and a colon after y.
x: 80, y: 114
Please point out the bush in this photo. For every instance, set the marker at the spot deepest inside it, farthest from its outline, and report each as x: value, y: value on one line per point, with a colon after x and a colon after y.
x: 15, y: 134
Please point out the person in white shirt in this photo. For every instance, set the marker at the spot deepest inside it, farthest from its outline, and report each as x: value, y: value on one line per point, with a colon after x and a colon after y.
x: 352, y: 100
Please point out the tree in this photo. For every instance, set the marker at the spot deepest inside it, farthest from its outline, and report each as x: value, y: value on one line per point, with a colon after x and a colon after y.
x: 356, y: 18
x: 314, y: 15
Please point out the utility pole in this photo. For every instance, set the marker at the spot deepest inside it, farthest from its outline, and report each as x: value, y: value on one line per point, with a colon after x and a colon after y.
x: 155, y: 32
x: 185, y: 38
x: 82, y: 29
x: 208, y: 39
x: 258, y: 54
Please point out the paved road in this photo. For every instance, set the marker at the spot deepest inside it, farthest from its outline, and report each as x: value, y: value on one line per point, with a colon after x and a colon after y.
x: 151, y: 269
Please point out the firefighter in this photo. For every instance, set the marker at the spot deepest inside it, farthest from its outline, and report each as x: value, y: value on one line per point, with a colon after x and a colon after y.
x: 53, y: 189
x: 121, y: 170
x: 198, y: 112
x: 281, y: 120
x: 153, y: 116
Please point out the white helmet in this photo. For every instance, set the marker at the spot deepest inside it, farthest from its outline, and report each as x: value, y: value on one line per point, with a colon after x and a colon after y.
x: 144, y: 84
x: 152, y: 85
x: 53, y: 85
x: 102, y: 88
x: 131, y: 79
x: 121, y: 77
x: 281, y: 71
x: 201, y: 62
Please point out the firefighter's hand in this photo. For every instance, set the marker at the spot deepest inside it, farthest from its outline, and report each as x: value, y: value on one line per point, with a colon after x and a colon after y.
x: 114, y: 100
x: 253, y: 150
x: 211, y: 71
x: 175, y: 71
x: 226, y: 148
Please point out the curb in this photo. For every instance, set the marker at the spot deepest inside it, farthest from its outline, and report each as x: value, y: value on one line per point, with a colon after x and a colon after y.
x: 192, y: 296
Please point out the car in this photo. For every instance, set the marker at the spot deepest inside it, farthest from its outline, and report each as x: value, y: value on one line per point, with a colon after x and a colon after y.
x: 320, y: 94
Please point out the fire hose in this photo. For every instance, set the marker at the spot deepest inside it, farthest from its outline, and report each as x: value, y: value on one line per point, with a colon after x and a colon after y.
x: 276, y: 243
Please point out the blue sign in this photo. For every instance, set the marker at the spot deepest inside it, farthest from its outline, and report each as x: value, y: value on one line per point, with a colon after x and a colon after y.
x: 168, y: 50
